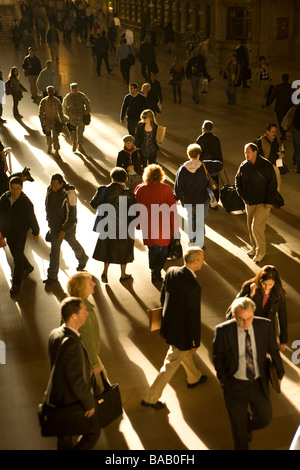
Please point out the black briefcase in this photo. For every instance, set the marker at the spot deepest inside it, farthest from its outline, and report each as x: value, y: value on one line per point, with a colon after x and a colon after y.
x: 230, y: 199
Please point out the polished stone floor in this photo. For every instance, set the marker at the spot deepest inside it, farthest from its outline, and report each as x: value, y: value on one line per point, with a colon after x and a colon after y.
x: 195, y: 419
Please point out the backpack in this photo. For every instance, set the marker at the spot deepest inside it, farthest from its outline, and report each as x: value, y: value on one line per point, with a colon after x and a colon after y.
x: 8, y: 88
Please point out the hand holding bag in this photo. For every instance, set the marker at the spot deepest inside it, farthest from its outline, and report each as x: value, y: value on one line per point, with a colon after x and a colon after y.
x: 109, y: 404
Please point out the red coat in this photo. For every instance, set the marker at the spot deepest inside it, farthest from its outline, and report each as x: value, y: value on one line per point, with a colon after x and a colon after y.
x: 157, y: 225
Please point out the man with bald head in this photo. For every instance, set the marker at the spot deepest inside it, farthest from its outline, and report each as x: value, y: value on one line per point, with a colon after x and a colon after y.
x: 181, y: 325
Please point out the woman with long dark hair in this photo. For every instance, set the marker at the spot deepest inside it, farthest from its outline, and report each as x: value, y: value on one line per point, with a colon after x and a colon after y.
x: 266, y: 291
x: 17, y: 90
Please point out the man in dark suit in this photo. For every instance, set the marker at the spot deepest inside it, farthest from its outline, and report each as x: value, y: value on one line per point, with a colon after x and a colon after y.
x: 71, y: 381
x: 239, y: 354
x: 181, y: 326
x: 211, y: 148
x: 282, y: 95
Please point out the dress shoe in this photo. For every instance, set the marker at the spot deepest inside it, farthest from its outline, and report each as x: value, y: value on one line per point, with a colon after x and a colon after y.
x: 251, y: 252
x: 82, y: 266
x: 157, y: 406
x: 202, y: 379
x: 104, y: 278
x: 156, y: 277
x: 15, y: 289
x: 49, y: 281
x: 3, y: 121
x: 26, y: 272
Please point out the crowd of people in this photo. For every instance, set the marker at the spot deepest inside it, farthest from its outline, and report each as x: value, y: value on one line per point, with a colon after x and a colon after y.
x: 138, y: 182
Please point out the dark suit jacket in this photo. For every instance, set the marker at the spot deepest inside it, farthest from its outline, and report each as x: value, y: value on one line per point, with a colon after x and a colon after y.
x: 181, y: 297
x: 211, y: 147
x: 225, y: 350
x: 282, y: 95
x: 69, y: 386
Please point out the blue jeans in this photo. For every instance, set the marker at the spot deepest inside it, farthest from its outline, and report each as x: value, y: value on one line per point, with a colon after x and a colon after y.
x: 70, y: 237
x: 195, y: 81
x: 157, y: 257
x: 296, y: 144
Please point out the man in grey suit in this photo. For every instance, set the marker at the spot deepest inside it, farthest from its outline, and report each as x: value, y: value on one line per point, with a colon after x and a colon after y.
x: 71, y: 382
x: 181, y: 326
x: 240, y: 349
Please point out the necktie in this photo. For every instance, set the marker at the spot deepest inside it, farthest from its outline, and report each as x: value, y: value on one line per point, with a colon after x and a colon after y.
x: 250, y: 371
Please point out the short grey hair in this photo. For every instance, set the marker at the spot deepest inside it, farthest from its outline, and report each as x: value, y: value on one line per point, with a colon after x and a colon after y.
x: 242, y: 303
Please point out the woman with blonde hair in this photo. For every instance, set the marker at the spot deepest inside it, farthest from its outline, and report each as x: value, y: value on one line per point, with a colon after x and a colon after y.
x: 157, y: 228
x: 16, y: 90
x: 82, y: 285
x: 145, y: 137
x: 177, y: 75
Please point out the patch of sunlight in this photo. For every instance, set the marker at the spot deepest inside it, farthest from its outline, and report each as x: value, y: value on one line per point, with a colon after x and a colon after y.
x: 129, y: 434
x: 106, y: 134
x: 287, y: 252
x: 176, y: 419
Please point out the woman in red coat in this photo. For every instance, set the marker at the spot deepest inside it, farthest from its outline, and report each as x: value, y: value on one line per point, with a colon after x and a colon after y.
x: 158, y: 217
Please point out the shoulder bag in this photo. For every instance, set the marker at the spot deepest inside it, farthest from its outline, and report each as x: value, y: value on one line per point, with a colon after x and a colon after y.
x: 211, y: 182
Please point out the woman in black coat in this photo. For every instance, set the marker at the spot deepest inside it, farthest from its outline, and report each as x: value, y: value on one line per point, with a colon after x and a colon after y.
x: 266, y: 291
x: 129, y: 159
x: 113, y: 225
x: 145, y: 137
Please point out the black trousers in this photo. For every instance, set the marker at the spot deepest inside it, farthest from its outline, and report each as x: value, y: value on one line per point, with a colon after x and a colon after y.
x: 99, y: 62
x: 239, y: 395
x: 16, y: 244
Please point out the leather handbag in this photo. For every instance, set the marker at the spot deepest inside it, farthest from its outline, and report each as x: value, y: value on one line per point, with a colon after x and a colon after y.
x: 109, y: 404
x: 69, y: 420
x: 155, y: 317
x: 160, y: 134
x: 211, y: 182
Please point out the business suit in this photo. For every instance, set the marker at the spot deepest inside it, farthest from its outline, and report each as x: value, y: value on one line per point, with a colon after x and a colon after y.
x: 71, y: 381
x: 239, y: 393
x: 181, y: 323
